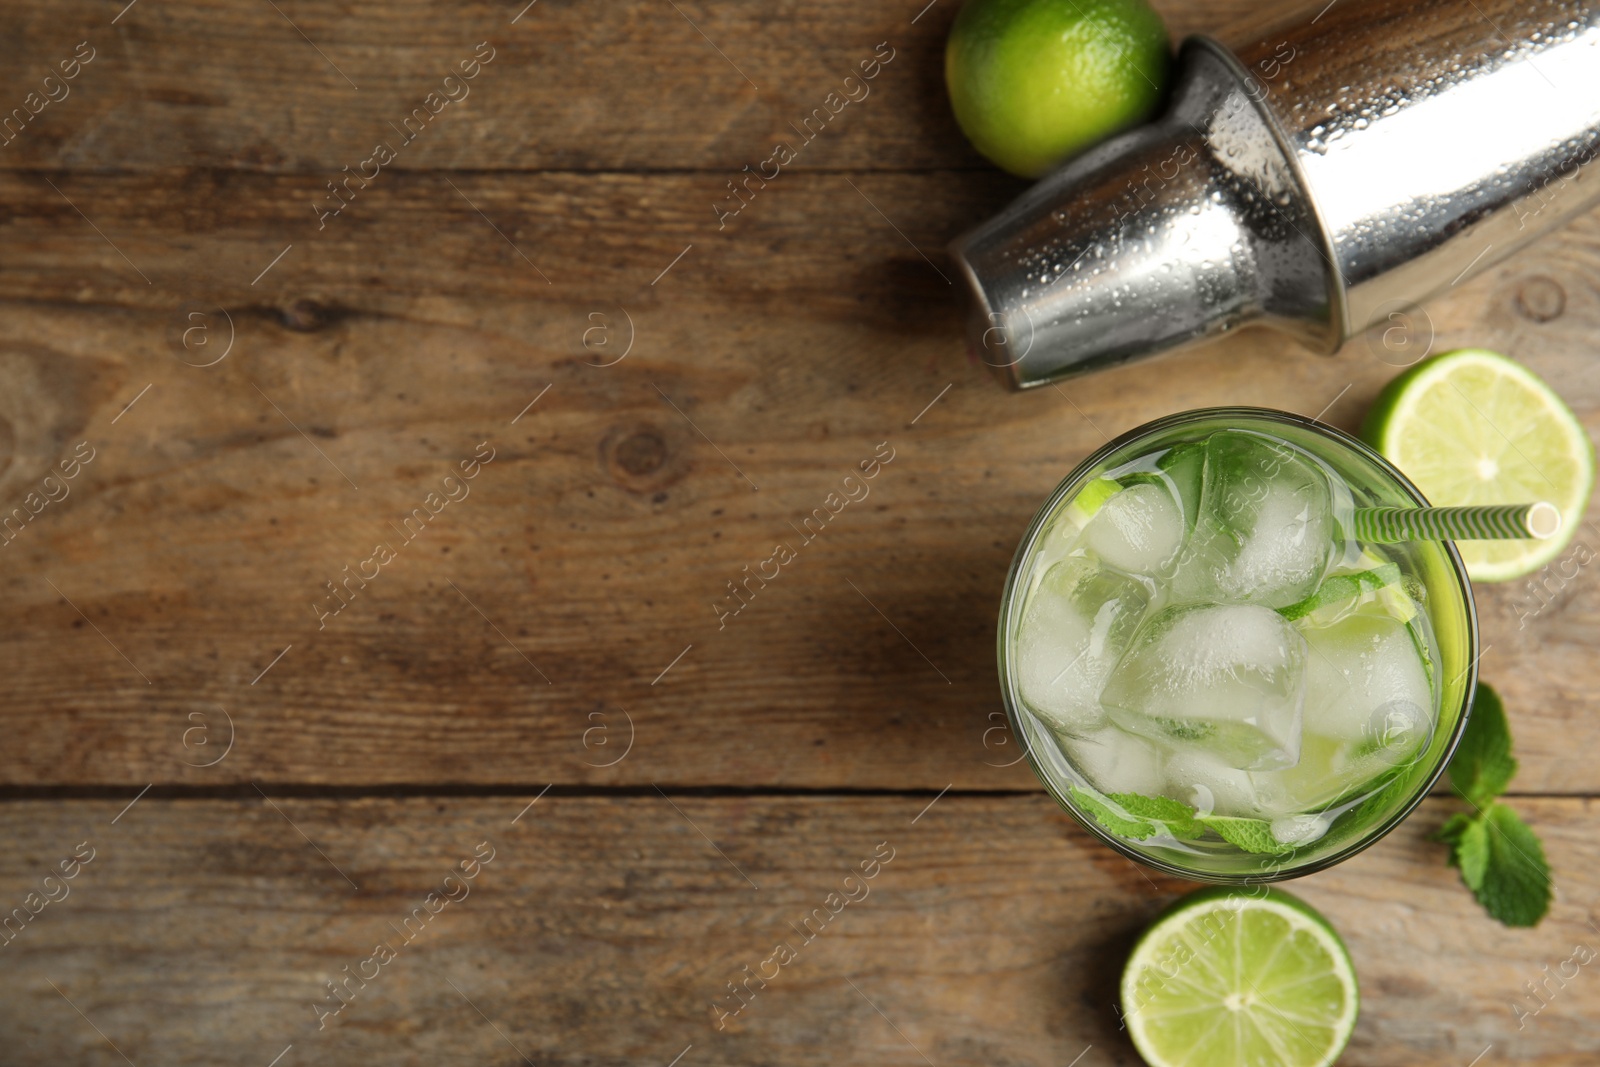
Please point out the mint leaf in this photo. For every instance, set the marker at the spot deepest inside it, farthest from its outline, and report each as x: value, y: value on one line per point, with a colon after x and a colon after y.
x: 1177, y: 816
x: 1251, y: 835
x: 1418, y: 641
x: 1378, y: 803
x: 1483, y: 765
x: 1515, y: 886
x: 1185, y: 465
x: 1111, y: 818
x: 1450, y: 833
x: 1469, y: 848
x: 1185, y: 729
x: 1136, y: 816
x: 1342, y: 587
x: 1501, y: 860
x: 1371, y: 802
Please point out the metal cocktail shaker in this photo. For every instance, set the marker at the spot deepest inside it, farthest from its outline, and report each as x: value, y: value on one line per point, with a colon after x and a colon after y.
x: 1313, y: 174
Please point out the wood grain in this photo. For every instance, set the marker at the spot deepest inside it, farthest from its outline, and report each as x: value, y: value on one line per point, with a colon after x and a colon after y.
x: 595, y: 547
x: 573, y: 86
x: 557, y: 624
x: 603, y: 929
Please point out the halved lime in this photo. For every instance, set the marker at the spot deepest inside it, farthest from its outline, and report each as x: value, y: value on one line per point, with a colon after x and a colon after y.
x: 1236, y: 977
x: 1473, y: 427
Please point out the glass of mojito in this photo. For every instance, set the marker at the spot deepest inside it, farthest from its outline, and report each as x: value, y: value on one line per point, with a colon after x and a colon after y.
x: 1210, y: 671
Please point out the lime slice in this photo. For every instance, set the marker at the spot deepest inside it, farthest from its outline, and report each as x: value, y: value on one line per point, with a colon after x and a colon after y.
x: 1473, y: 427
x: 1236, y: 977
x: 1089, y: 499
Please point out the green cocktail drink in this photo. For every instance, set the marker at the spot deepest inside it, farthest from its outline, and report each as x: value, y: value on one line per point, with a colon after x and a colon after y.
x: 1211, y: 671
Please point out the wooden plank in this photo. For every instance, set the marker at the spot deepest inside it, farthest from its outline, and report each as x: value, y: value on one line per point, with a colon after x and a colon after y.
x: 302, y: 87
x: 596, y: 546
x: 604, y: 929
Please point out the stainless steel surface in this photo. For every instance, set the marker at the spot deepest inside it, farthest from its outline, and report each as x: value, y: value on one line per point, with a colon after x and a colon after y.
x: 1335, y: 163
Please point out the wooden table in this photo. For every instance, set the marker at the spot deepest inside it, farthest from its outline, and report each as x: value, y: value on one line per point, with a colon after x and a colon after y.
x: 536, y: 670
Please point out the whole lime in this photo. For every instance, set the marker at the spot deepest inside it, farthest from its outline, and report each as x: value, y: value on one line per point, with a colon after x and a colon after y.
x: 1033, y: 81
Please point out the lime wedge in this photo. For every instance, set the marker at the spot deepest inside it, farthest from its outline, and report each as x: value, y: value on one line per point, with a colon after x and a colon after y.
x: 1343, y: 588
x: 1237, y: 977
x: 1473, y: 427
x: 1089, y: 499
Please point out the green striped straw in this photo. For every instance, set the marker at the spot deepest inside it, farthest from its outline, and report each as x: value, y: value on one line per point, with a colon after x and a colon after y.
x: 1487, y: 522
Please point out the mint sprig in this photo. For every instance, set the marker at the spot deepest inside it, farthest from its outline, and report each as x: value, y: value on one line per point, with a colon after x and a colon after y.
x: 1516, y: 879
x: 1483, y: 764
x: 1500, y: 858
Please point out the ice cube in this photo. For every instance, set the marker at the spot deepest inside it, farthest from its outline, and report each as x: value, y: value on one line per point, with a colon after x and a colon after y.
x: 1139, y: 530
x: 1183, y: 470
x: 1077, y: 623
x: 1368, y: 709
x: 1366, y: 686
x: 1228, y: 679
x: 1062, y: 539
x: 1209, y: 785
x: 1116, y: 762
x: 1266, y: 532
x: 1320, y: 777
x: 1300, y: 829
